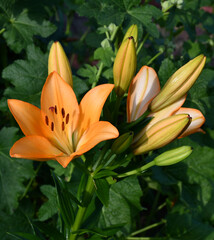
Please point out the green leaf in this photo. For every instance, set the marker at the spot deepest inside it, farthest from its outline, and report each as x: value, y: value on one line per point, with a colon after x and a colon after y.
x: 49, y: 208
x: 201, y: 96
x: 103, y: 11
x: 27, y: 76
x: 167, y: 68
x: 17, y: 222
x: 102, y: 190
x: 51, y: 231
x: 80, y: 86
x: 105, y: 55
x: 89, y: 72
x: 145, y: 15
x: 182, y: 224
x: 104, y: 173
x: 20, y: 29
x: 13, y: 172
x: 64, y: 201
x: 24, y: 236
x: 124, y: 204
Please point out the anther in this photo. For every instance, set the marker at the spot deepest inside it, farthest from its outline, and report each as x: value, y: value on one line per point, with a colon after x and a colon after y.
x: 63, y: 112
x: 55, y: 109
x: 52, y: 109
x: 67, y: 118
x: 63, y: 126
x: 46, y: 120
x: 52, y: 126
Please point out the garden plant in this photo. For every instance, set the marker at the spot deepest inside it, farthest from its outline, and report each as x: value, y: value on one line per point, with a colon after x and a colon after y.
x: 107, y: 126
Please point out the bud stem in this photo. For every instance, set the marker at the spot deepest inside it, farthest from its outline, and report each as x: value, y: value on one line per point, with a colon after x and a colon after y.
x: 98, y: 75
x: 156, y: 56
x: 142, y: 43
x: 138, y: 170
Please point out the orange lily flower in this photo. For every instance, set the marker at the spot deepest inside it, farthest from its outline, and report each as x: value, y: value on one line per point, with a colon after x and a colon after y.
x: 62, y: 129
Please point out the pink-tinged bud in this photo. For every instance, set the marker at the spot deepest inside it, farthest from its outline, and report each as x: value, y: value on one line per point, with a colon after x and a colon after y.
x: 173, y: 156
x: 160, y: 115
x: 124, y: 66
x: 161, y: 133
x: 197, y: 121
x: 58, y: 62
x: 143, y: 88
x: 132, y: 32
x: 178, y: 84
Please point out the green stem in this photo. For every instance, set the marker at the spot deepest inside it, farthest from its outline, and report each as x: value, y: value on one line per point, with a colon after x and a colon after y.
x: 142, y: 43
x: 98, y: 75
x: 138, y: 170
x: 82, y: 209
x: 101, y: 157
x: 152, y: 59
x: 154, y: 206
x: 148, y: 228
x: 116, y: 109
x: 114, y: 34
x: 2, y: 30
x: 31, y: 180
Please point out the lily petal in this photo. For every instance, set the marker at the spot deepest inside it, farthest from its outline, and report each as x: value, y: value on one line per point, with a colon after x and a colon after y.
x: 27, y: 116
x: 64, y: 161
x: 91, y: 106
x: 56, y: 92
x: 143, y: 88
x: 160, y: 115
x: 197, y: 121
x: 96, y: 133
x: 34, y: 147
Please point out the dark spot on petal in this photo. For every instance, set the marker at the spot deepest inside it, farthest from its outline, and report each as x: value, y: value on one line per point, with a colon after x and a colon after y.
x: 46, y: 120
x: 52, y: 126
x: 63, y: 112
x: 63, y: 126
x: 55, y: 109
x: 67, y: 118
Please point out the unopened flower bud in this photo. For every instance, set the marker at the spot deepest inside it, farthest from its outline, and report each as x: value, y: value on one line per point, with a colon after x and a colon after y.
x: 161, y: 133
x: 132, y: 32
x: 58, y: 62
x: 173, y: 156
x: 198, y: 120
x: 124, y: 66
x: 122, y: 143
x: 143, y: 88
x: 178, y: 84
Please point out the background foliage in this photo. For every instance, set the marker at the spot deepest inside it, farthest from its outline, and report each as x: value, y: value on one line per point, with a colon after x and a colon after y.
x: 170, y: 33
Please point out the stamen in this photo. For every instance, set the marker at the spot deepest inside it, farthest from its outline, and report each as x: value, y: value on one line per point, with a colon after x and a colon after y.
x: 67, y: 118
x: 46, y: 120
x: 63, y: 126
x: 63, y: 112
x: 55, y: 109
x: 52, y: 126
x: 52, y: 109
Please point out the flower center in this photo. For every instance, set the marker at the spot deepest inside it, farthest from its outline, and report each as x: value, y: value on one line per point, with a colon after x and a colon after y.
x: 58, y: 121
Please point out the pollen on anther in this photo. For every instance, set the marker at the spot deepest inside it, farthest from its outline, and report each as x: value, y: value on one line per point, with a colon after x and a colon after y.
x: 67, y: 118
x: 52, y: 109
x: 63, y: 112
x: 46, y: 120
x: 52, y: 126
x: 55, y: 109
x: 63, y: 126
